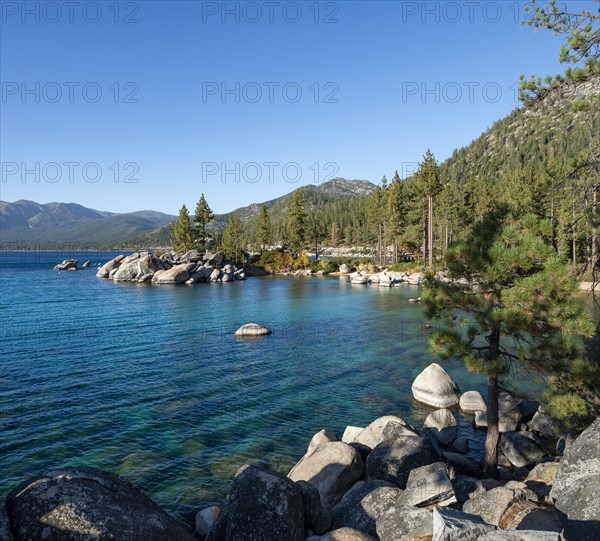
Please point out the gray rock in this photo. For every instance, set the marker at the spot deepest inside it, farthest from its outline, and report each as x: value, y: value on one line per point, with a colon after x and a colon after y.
x: 332, y: 468
x: 405, y: 524
x: 441, y: 425
x: 219, y: 529
x: 461, y: 445
x: 214, y: 275
x: 343, y: 534
x: 541, y: 479
x: 464, y: 465
x: 528, y: 515
x: 363, y: 505
x: 428, y: 485
x: 491, y: 505
x: 472, y: 401
x: 86, y: 264
x: 175, y: 275
x: 344, y: 268
x: 264, y: 505
x: 108, y: 267
x: 545, y: 425
x: 466, y: 487
x: 393, y: 460
x: 510, y: 413
x: 252, y: 329
x: 316, y: 517
x: 453, y: 525
x: 126, y: 272
x: 84, y: 503
x: 577, y: 486
x: 5, y: 533
x: 191, y: 256
x: 520, y: 449
x: 350, y: 433
x: 387, y: 427
x: 323, y: 436
x: 206, y: 519
x: 522, y: 535
x: 434, y: 387
x: 67, y: 264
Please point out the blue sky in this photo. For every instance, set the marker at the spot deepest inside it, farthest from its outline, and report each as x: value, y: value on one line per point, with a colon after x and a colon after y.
x: 149, y: 114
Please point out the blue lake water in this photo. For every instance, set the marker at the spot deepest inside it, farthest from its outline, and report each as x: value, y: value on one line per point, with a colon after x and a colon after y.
x: 149, y: 381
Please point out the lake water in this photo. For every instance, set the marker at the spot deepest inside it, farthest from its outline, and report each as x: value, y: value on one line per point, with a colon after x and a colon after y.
x: 149, y: 382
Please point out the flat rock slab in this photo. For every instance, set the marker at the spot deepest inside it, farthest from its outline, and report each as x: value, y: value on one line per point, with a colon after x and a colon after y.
x: 428, y: 485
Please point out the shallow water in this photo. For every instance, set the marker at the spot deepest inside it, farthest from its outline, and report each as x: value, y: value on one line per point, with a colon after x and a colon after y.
x: 149, y: 381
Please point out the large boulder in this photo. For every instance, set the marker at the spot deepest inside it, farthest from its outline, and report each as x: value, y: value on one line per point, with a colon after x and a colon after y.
x: 472, y: 401
x: 435, y: 388
x: 528, y: 515
x: 577, y: 486
x: 343, y: 534
x: 541, y: 479
x: 441, y: 425
x: 454, y: 525
x: 206, y: 519
x: 386, y: 427
x: 464, y: 465
x: 316, y: 517
x: 492, y: 505
x: 545, y: 425
x: 393, y: 460
x: 252, y: 329
x: 175, y: 275
x: 428, y: 485
x: 363, y: 505
x: 332, y: 468
x: 85, y: 503
x: 67, y: 264
x: 405, y: 524
x: 264, y: 505
x: 5, y: 533
x: 323, y: 436
x: 520, y: 449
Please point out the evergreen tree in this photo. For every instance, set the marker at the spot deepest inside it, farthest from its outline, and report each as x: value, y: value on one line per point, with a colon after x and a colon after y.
x: 429, y: 183
x: 523, y: 311
x: 202, y: 218
x: 296, y: 222
x: 395, y: 222
x: 182, y: 240
x: 264, y: 234
x: 233, y: 242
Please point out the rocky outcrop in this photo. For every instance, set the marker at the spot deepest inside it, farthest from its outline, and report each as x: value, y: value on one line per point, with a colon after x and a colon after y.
x: 252, y: 329
x: 577, y: 486
x: 332, y: 468
x: 66, y: 265
x: 84, y: 503
x: 393, y: 460
x: 264, y: 505
x: 435, y: 388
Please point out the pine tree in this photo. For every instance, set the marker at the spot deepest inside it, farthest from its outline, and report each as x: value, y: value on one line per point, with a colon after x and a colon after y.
x: 523, y: 311
x: 264, y: 233
x: 296, y: 222
x: 233, y: 239
x: 395, y: 223
x: 182, y: 240
x: 428, y: 177
x: 202, y: 218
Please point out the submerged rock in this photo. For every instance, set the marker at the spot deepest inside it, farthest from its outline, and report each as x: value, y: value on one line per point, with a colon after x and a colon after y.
x: 85, y: 503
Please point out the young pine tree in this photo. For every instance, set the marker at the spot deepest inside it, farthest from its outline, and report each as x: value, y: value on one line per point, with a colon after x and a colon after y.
x: 233, y: 242
x: 264, y: 233
x: 182, y: 240
x: 202, y: 218
x: 395, y: 215
x: 428, y: 180
x: 523, y: 309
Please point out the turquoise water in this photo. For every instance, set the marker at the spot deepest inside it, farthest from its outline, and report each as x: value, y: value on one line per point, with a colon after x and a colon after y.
x: 150, y: 382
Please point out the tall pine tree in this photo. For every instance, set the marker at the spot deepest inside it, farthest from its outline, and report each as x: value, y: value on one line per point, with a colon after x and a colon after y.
x: 264, y: 234
x: 202, y: 218
x: 182, y: 240
x: 296, y: 222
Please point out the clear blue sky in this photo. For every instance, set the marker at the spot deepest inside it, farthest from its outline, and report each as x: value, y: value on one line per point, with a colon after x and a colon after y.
x: 376, y: 61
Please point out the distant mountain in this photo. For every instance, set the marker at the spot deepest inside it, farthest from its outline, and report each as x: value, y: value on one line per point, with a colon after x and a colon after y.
x: 27, y: 223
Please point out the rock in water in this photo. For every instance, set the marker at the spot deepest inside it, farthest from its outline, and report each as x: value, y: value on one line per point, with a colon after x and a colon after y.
x: 472, y: 401
x: 206, y: 519
x: 252, y: 329
x: 436, y: 388
x: 441, y: 425
x: 264, y: 505
x: 332, y: 468
x: 67, y: 264
x: 393, y: 460
x: 84, y: 503
x: 577, y: 486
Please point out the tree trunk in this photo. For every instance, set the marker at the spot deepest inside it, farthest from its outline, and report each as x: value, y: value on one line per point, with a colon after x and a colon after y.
x: 430, y: 230
x: 594, y: 254
x: 574, y: 240
x: 424, y: 231
x: 493, y: 433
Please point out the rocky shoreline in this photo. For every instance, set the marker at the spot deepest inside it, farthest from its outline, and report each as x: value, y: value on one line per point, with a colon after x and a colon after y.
x: 388, y: 481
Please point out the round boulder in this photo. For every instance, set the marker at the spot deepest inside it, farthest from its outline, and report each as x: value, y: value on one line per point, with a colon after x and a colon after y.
x: 252, y: 329
x: 436, y: 388
x: 441, y: 425
x: 472, y: 401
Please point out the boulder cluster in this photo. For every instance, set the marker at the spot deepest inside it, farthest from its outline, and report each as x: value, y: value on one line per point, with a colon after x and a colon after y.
x: 171, y: 268
x: 70, y: 265
x: 388, y: 481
